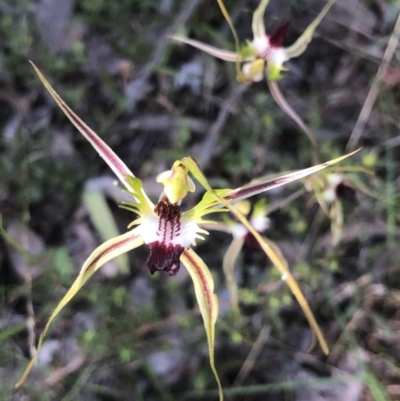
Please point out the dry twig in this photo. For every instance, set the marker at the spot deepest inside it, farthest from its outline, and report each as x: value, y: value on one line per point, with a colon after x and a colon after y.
x: 373, y: 92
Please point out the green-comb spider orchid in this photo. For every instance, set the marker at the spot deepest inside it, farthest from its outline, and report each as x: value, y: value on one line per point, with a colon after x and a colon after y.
x: 164, y: 228
x: 264, y: 53
x: 330, y: 188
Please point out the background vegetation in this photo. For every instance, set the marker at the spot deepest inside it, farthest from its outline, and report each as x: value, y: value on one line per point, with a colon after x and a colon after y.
x: 132, y: 336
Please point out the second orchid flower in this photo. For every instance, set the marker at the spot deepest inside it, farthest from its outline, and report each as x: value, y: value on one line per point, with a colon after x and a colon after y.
x: 264, y: 54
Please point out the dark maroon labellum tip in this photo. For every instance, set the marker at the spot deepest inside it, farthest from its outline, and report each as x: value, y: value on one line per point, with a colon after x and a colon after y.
x: 251, y: 241
x: 345, y: 192
x: 164, y: 258
x: 276, y: 39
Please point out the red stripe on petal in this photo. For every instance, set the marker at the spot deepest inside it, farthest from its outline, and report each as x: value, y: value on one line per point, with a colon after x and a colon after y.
x: 204, y: 282
x: 108, y: 250
x: 100, y: 146
x: 254, y: 188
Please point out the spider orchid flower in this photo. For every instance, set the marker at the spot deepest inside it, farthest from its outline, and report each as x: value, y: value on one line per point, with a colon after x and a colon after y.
x: 264, y: 54
x: 164, y: 228
x: 331, y: 188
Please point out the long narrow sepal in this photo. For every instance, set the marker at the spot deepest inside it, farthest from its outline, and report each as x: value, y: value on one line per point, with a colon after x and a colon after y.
x: 276, y: 257
x: 113, y: 161
x: 239, y: 74
x: 207, y: 300
x: 270, y: 250
x: 285, y: 106
x: 265, y: 184
x: 336, y: 217
x: 211, y: 50
x: 105, y: 252
x: 103, y: 220
x: 299, y: 47
x: 258, y: 20
x: 228, y: 266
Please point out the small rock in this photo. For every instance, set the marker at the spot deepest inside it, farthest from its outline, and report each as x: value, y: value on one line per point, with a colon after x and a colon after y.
x: 190, y: 75
x: 25, y: 268
x: 169, y: 365
x: 141, y: 292
x: 47, y: 352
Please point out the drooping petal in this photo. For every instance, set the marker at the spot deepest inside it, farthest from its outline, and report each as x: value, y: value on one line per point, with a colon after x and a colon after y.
x: 228, y: 266
x: 270, y: 250
x: 265, y: 184
x: 101, y: 255
x: 298, y: 47
x: 213, y: 51
x: 276, y: 257
x: 113, y: 161
x: 336, y: 216
x: 207, y: 300
x: 258, y: 19
x: 284, y: 105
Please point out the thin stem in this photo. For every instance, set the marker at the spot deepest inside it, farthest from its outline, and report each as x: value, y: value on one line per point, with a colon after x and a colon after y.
x: 373, y: 92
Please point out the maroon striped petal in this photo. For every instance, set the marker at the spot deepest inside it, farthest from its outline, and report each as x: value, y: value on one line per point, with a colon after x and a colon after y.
x: 207, y: 300
x: 114, y: 162
x: 105, y: 252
